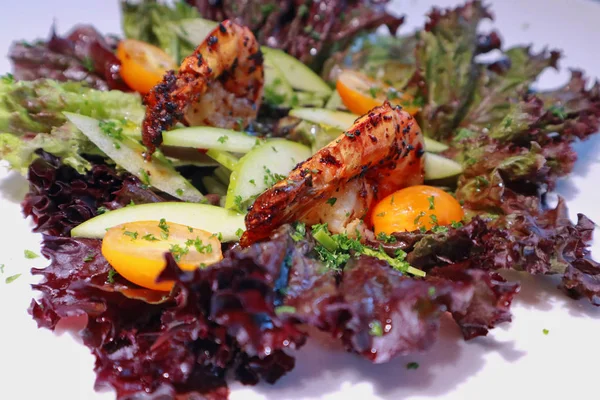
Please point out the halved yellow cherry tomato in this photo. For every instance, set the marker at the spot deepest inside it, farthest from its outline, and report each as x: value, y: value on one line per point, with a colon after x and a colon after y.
x: 415, y: 207
x: 360, y: 93
x: 142, y: 65
x: 136, y: 250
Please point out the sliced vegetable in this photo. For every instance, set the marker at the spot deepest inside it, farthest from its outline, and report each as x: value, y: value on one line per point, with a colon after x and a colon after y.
x: 136, y: 250
x: 438, y: 167
x: 222, y: 174
x: 213, y: 185
x: 360, y: 94
x: 142, y: 65
x: 295, y: 72
x: 224, y: 158
x: 335, y: 119
x: 343, y: 120
x: 414, y: 208
x: 335, y: 102
x: 207, y: 137
x: 195, y: 30
x: 261, y: 168
x: 201, y: 216
x: 128, y: 154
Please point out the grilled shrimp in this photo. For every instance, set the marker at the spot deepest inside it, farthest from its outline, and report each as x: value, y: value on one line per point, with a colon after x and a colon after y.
x: 220, y: 85
x: 381, y: 153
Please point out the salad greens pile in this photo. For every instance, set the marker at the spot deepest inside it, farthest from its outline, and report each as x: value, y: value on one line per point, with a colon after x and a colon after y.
x: 78, y: 143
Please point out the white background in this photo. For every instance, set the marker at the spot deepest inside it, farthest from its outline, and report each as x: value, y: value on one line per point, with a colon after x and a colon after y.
x: 516, y: 361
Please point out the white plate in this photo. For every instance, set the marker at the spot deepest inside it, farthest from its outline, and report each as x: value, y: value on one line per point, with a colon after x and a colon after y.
x: 516, y: 361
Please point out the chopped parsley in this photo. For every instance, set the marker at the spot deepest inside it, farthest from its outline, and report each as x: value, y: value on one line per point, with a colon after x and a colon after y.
x: 190, y: 229
x: 113, y: 131
x: 381, y: 214
x: 223, y: 139
x: 271, y: 178
x: 1, y: 268
x: 418, y: 218
x: 431, y: 291
x: 89, y: 258
x: 177, y: 251
x: 508, y: 122
x: 101, y: 210
x: 373, y: 90
x: 267, y: 9
x: 88, y: 63
x: 219, y: 236
x: 431, y: 202
x: 144, y: 177
x: 558, y: 111
x: 481, y: 181
x: 179, y: 192
x: 274, y: 149
x: 252, y: 181
x: 375, y: 328
x: 30, y: 255
x: 383, y: 237
x: 132, y: 235
x: 285, y: 310
x: 239, y: 232
x: 433, y: 219
x: 150, y: 237
x: 392, y: 94
x: 199, y: 246
x: 412, y: 365
x: 299, y: 232
x: 110, y: 278
x: 331, y: 201
x: 12, y: 278
x: 237, y: 200
x: 456, y: 225
x: 162, y: 224
x: 336, y: 250
x: 545, y: 331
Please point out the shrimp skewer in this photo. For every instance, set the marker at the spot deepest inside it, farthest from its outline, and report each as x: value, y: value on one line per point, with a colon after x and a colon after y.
x: 220, y: 85
x: 381, y: 153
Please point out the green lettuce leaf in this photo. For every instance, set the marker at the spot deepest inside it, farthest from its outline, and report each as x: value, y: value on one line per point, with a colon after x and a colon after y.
x: 31, y: 117
x: 65, y: 142
x: 158, y: 24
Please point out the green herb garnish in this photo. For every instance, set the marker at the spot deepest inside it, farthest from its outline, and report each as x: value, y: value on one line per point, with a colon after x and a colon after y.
x: 375, y: 328
x: 331, y: 201
x: 431, y: 202
x: 150, y: 237
x: 30, y: 255
x: 12, y: 278
x: 412, y: 365
x: 177, y: 251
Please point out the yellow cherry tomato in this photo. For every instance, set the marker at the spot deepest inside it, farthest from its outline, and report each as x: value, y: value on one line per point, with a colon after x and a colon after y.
x: 136, y: 250
x: 142, y: 65
x: 360, y: 94
x: 415, y: 207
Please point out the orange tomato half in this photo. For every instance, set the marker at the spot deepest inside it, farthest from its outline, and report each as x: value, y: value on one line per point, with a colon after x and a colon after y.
x: 360, y: 94
x: 415, y: 207
x: 142, y: 65
x: 136, y: 250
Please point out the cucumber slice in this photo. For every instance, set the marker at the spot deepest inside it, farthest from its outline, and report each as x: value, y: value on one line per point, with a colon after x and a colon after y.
x: 207, y: 137
x: 128, y: 154
x: 433, y: 146
x: 258, y: 170
x: 201, y: 216
x: 299, y: 76
x: 212, y: 185
x: 335, y: 119
x: 344, y: 120
x: 222, y: 174
x: 438, y: 167
x: 224, y: 158
x: 278, y: 91
x: 335, y: 102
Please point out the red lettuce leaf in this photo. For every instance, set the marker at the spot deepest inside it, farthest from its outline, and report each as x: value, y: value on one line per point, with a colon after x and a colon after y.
x: 60, y: 198
x: 83, y: 55
x: 307, y: 30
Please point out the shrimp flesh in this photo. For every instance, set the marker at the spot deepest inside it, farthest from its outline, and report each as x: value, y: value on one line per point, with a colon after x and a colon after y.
x: 381, y: 153
x: 220, y: 85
